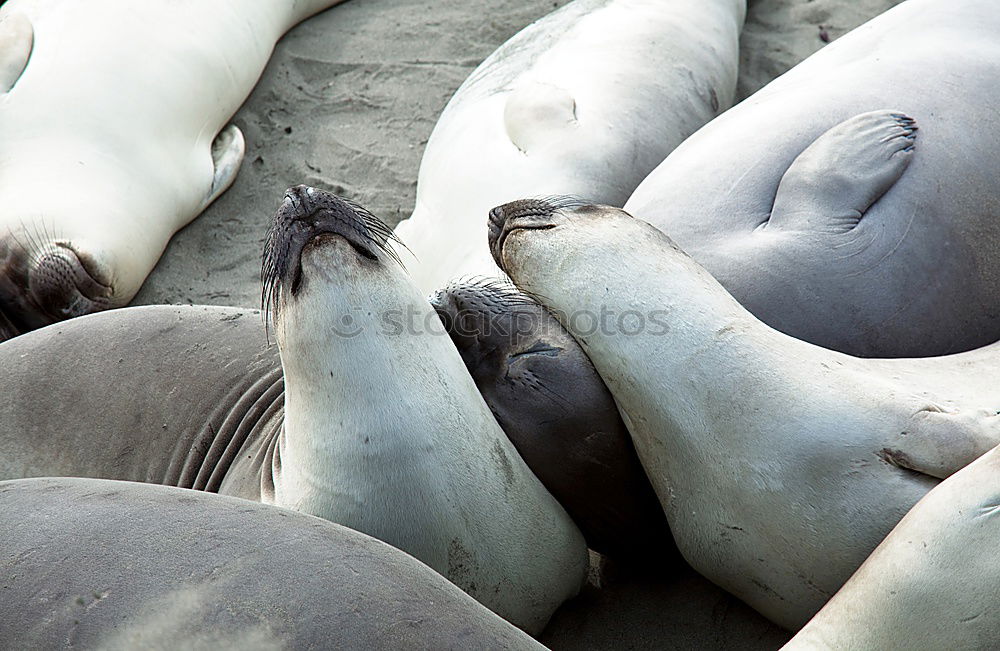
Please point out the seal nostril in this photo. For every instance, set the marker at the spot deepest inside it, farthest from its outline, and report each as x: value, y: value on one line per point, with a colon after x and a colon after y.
x: 496, y: 216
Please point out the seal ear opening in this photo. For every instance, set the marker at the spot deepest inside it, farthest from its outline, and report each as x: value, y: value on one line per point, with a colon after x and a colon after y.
x: 16, y: 42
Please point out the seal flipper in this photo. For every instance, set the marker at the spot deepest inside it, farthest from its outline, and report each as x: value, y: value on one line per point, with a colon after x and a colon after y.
x: 17, y: 38
x: 939, y: 443
x: 228, y: 150
x: 830, y: 185
x: 536, y: 111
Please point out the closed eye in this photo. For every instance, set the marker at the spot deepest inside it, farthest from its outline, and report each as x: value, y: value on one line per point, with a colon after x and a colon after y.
x: 538, y: 348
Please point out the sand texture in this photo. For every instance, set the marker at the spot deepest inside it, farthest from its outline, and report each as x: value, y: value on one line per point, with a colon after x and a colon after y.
x: 351, y: 96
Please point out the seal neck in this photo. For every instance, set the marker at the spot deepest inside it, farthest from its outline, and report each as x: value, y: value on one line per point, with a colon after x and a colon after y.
x: 667, y: 338
x: 368, y: 406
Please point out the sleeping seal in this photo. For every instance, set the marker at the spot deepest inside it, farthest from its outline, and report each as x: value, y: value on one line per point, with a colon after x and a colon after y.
x: 932, y: 583
x: 560, y: 416
x: 113, y: 137
x: 780, y: 464
x: 378, y: 429
x: 585, y: 101
x: 92, y: 563
x: 915, y: 273
x: 810, y: 204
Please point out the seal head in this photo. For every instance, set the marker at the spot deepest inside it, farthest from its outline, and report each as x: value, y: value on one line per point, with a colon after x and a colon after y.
x: 556, y: 410
x: 44, y: 280
x: 307, y: 213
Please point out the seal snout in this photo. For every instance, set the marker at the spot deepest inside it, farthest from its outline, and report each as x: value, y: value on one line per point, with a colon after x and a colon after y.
x: 524, y: 214
x: 311, y: 213
x: 63, y: 287
x: 464, y: 308
x: 445, y: 308
x: 304, y: 215
x: 44, y: 283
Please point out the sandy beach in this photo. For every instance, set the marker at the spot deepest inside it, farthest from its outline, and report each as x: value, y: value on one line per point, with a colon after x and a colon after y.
x: 351, y: 96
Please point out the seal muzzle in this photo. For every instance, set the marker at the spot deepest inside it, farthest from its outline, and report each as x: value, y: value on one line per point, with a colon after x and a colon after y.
x: 304, y: 214
x: 41, y: 284
x: 524, y: 214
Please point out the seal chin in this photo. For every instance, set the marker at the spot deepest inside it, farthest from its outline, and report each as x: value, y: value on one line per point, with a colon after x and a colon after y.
x: 306, y: 214
x: 41, y: 287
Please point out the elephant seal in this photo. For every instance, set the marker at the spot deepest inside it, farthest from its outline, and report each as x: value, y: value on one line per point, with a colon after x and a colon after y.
x: 932, y: 583
x: 556, y: 410
x: 113, y: 137
x: 780, y: 464
x: 586, y: 101
x: 92, y: 563
x: 805, y: 204
x: 376, y: 428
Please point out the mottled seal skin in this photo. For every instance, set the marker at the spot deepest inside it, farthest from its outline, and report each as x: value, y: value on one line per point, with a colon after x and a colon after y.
x: 932, y: 583
x: 380, y: 431
x: 780, y: 464
x: 586, y: 101
x: 807, y: 205
x: 91, y: 563
x: 113, y: 136
x: 560, y: 416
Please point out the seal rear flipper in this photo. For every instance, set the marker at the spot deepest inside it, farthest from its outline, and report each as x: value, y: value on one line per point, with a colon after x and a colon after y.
x: 939, y: 443
x: 830, y: 185
x: 16, y: 40
x: 535, y: 112
x: 228, y: 150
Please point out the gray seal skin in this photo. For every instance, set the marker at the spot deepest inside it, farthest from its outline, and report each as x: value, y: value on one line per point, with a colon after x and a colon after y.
x: 92, y: 563
x: 218, y: 363
x: 213, y: 409
x: 806, y: 205
x: 932, y: 583
x: 215, y: 361
x: 587, y: 101
x: 780, y: 464
x: 559, y: 415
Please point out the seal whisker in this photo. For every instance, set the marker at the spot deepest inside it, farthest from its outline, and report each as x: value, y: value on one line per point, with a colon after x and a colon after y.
x: 304, y: 213
x: 385, y: 235
x: 562, y: 201
x: 12, y: 234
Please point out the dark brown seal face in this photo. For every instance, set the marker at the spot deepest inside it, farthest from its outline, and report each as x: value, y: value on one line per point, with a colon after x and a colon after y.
x: 556, y: 410
x: 43, y: 281
x: 305, y: 214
